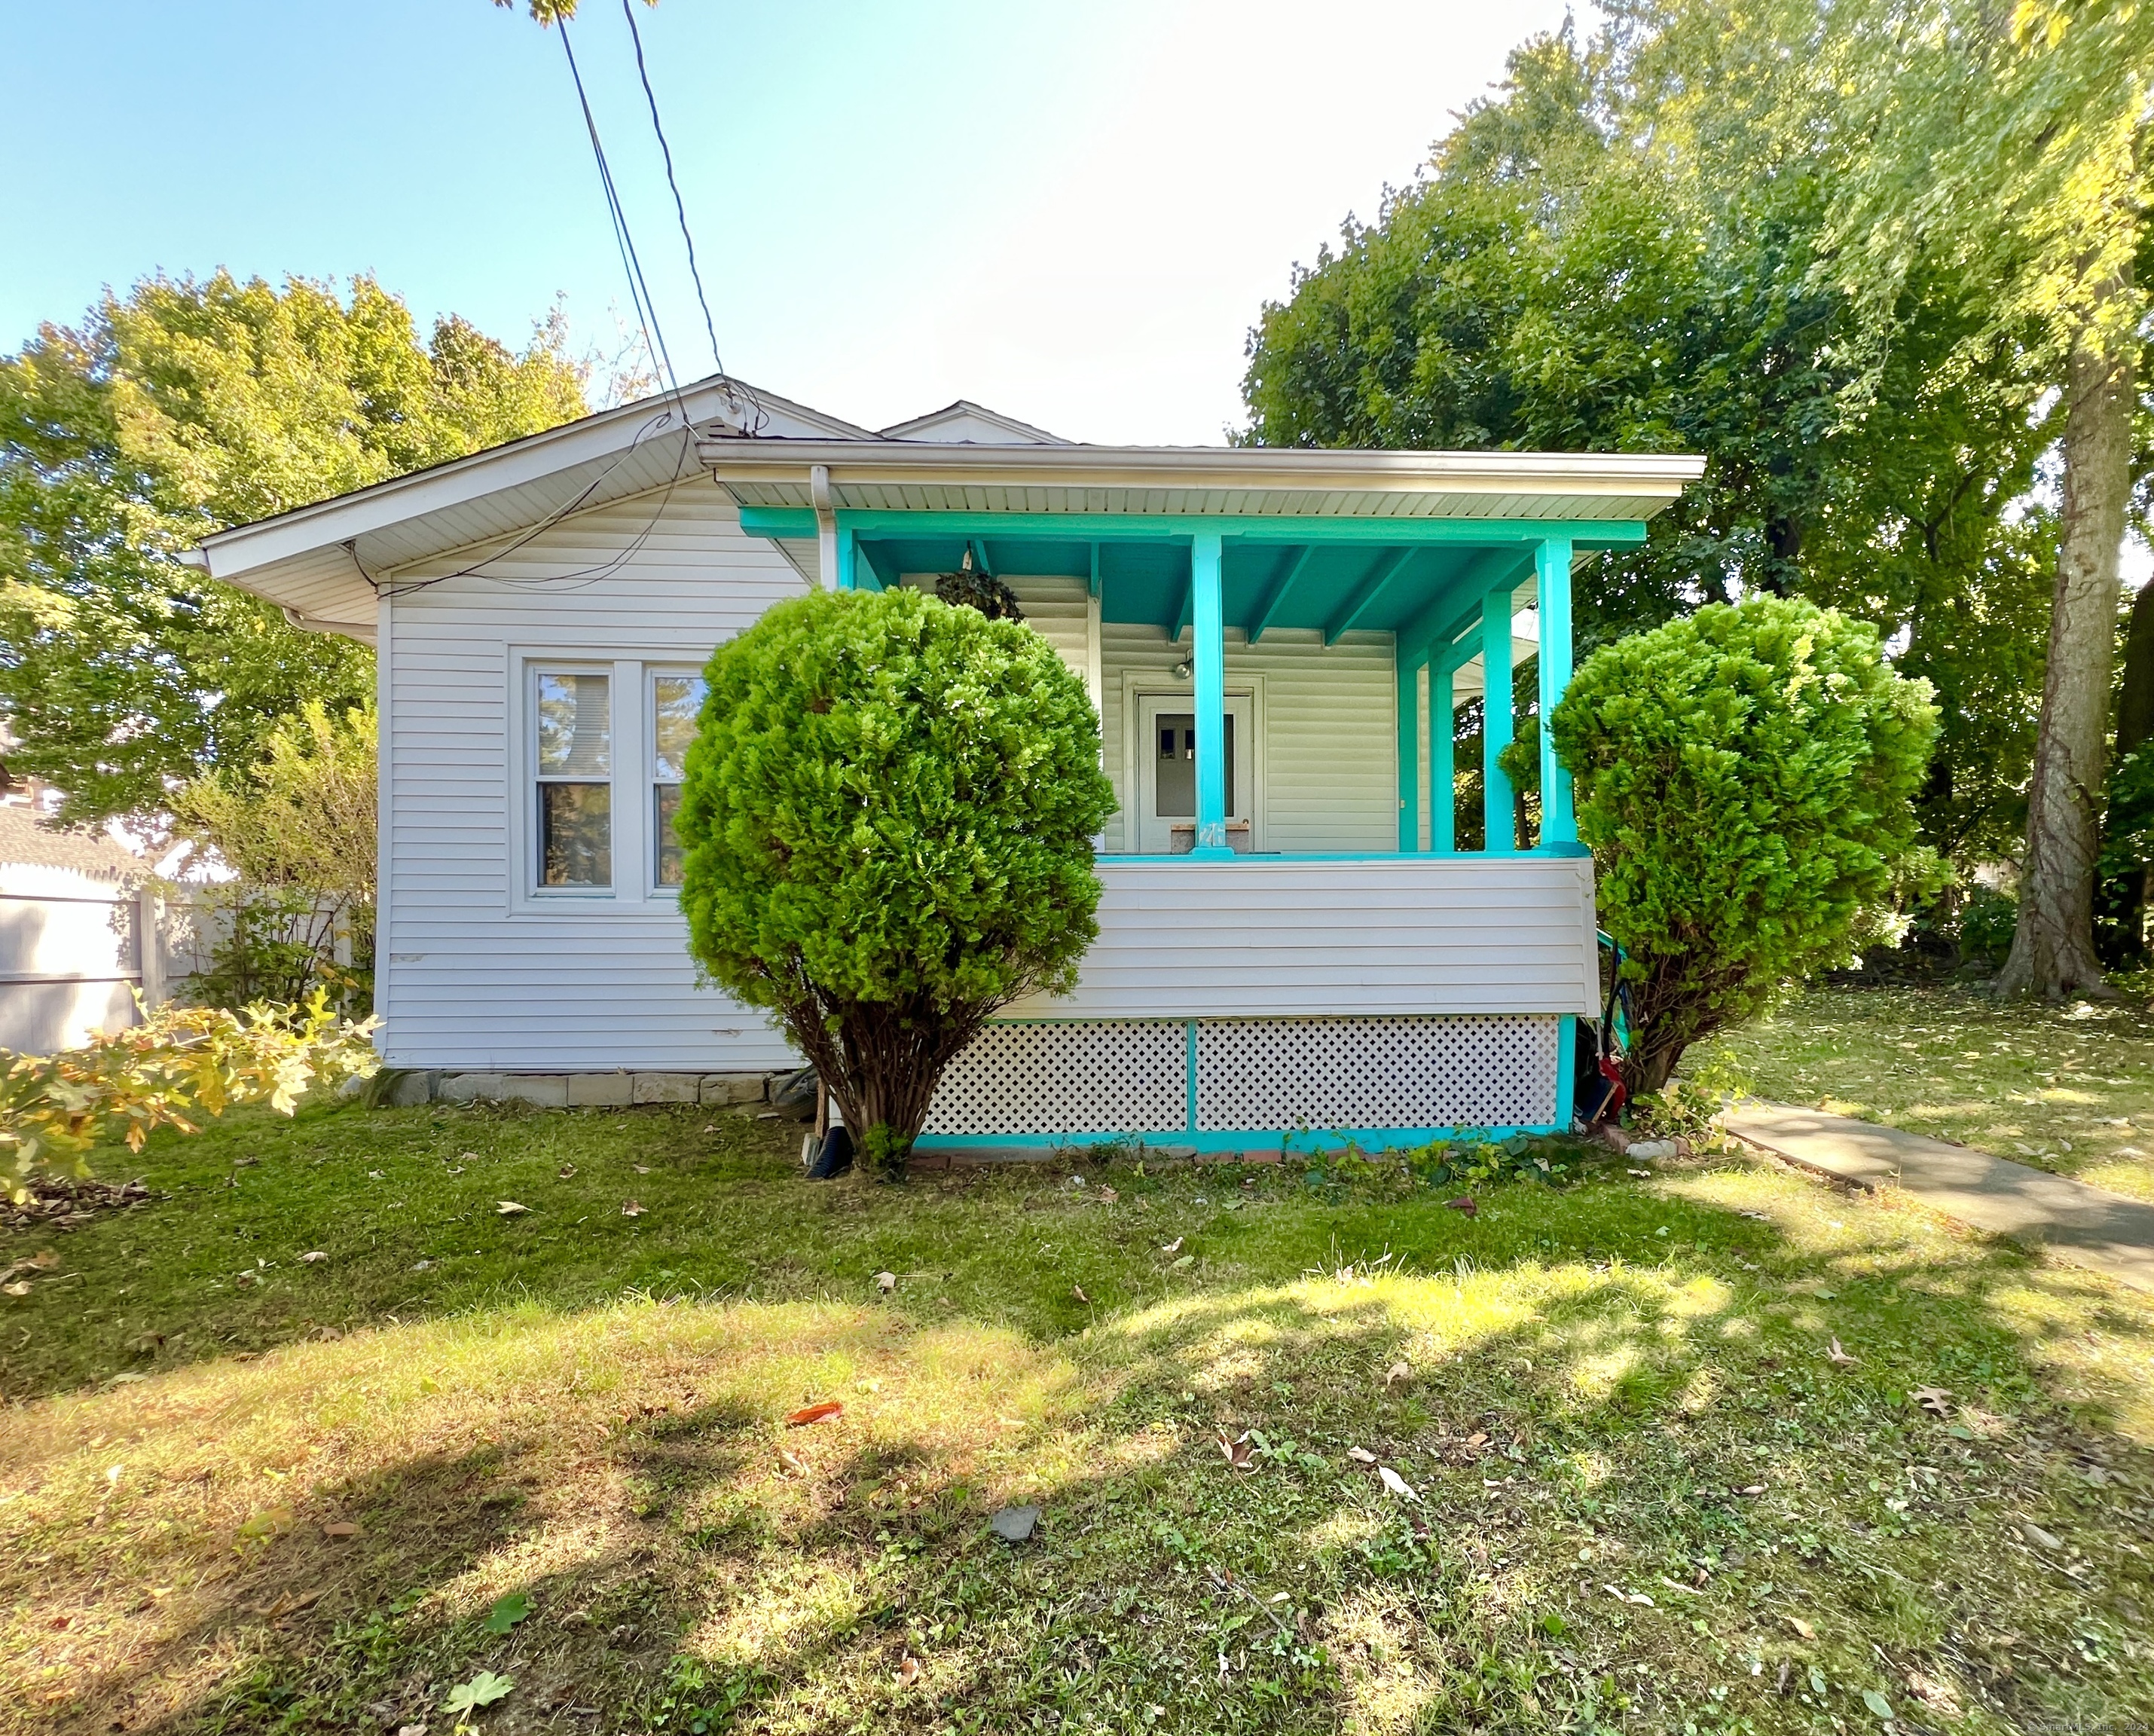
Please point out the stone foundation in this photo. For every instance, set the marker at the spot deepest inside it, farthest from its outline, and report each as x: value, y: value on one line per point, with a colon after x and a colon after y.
x: 580, y: 1090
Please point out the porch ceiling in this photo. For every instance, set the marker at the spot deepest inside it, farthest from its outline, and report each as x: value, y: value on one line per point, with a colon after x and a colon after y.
x: 1411, y: 590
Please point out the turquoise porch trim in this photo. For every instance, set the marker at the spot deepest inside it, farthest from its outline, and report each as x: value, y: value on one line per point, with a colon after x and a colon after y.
x: 1318, y: 1139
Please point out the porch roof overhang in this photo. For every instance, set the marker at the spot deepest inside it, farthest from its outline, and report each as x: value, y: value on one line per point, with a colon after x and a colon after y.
x: 1398, y: 541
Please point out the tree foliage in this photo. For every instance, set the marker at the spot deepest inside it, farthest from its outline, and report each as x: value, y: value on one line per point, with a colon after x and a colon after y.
x: 181, y: 1064
x: 888, y: 816
x: 185, y: 406
x: 1627, y: 249
x: 1745, y: 777
x: 298, y: 830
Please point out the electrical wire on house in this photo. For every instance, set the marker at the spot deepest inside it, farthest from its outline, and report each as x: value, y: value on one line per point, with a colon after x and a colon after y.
x: 734, y: 391
x: 654, y: 338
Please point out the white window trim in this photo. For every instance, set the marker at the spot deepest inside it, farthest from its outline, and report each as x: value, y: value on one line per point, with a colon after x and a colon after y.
x: 652, y: 669
x: 634, y: 892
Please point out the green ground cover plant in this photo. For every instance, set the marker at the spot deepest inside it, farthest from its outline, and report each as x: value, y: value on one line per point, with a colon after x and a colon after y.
x: 2066, y: 1087
x: 1711, y: 1448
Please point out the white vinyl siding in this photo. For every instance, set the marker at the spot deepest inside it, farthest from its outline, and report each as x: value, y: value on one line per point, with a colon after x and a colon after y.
x: 472, y: 971
x: 1252, y: 938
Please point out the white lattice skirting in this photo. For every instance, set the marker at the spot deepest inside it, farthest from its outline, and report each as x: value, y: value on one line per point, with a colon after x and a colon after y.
x: 1253, y: 1076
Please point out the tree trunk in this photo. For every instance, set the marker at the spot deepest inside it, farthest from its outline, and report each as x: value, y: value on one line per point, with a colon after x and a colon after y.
x: 2053, y: 946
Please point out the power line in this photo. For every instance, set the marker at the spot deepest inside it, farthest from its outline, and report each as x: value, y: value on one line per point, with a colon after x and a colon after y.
x: 646, y: 309
x: 666, y: 151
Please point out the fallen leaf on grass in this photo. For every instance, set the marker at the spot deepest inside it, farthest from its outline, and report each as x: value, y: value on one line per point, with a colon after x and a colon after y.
x: 1802, y: 1627
x: 631, y: 1208
x: 1395, y: 1483
x: 1361, y: 1455
x: 813, y: 1413
x: 340, y: 1527
x: 1108, y: 1195
x: 2040, y: 1538
x: 1078, y: 1291
x: 1628, y: 1596
x: 793, y: 1461
x: 506, y: 1612
x: 1748, y: 1488
x: 1241, y: 1454
x: 1465, y: 1205
x: 20, y: 1287
x: 1173, y: 1247
x: 509, y: 1207
x: 1932, y: 1399
x: 565, y: 1171
x: 908, y: 1672
x: 1643, y: 1175
x: 484, y: 1689
x: 1396, y: 1372
x: 1837, y: 1354
x: 313, y: 1255
x: 641, y: 1169
x: 885, y: 1281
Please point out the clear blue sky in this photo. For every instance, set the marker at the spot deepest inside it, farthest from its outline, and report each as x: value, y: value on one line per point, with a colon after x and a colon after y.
x: 1070, y: 212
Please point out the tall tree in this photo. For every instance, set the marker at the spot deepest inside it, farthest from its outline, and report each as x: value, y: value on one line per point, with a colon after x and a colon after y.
x: 2008, y: 150
x: 1621, y: 250
x: 182, y: 407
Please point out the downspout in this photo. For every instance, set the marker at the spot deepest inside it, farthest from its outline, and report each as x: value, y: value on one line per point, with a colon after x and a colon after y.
x: 826, y: 526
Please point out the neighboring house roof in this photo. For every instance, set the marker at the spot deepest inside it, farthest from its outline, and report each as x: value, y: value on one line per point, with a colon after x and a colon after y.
x: 23, y: 842
x: 322, y: 564
x: 965, y: 423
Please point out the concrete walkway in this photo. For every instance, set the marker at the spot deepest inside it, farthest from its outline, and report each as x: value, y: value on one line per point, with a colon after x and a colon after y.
x: 2089, y: 1225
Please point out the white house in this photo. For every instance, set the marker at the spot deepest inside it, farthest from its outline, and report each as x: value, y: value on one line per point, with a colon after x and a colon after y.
x: 1289, y: 935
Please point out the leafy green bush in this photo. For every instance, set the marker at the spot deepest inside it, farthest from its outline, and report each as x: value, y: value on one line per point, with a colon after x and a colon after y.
x: 888, y: 817
x: 181, y: 1063
x: 1986, y: 923
x: 1744, y: 778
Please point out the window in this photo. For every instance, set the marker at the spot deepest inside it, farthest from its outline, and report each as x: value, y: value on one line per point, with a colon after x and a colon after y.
x: 676, y: 700
x: 575, y: 761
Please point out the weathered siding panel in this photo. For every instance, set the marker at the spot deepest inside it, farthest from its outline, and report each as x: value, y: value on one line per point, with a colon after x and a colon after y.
x: 1415, y: 934
x: 470, y: 975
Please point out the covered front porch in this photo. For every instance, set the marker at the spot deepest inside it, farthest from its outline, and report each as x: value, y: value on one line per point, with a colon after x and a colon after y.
x: 1231, y: 659
x: 1317, y: 926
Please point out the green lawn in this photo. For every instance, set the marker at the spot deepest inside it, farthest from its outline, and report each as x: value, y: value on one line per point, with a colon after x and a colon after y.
x: 1642, y: 1494
x: 2067, y: 1088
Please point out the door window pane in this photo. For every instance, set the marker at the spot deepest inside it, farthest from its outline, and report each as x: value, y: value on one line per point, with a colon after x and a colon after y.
x: 671, y: 855
x: 575, y: 834
x: 575, y: 725
x: 1174, y: 778
x: 676, y: 701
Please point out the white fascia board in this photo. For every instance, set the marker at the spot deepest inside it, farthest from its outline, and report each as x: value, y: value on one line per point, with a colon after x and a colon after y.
x: 889, y: 462
x: 590, y: 440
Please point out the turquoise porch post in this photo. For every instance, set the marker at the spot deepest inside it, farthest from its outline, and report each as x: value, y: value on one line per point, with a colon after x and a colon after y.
x: 1443, y: 746
x: 1207, y: 617
x: 1409, y: 677
x: 1498, y: 813
x: 1552, y: 566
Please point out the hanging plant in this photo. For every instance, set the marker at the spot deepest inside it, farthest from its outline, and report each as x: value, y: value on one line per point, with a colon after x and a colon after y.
x: 976, y: 588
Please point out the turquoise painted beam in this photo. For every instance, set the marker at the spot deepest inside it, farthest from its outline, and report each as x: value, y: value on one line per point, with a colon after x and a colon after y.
x: 978, y: 545
x: 1185, y: 614
x: 1499, y: 818
x: 1269, y: 610
x: 1096, y: 570
x: 1552, y: 572
x: 1251, y: 529
x: 1364, y: 598
x: 1442, y: 766
x: 1409, y: 713
x: 1208, y: 618
x: 797, y: 523
x: 878, y: 562
x: 1458, y: 608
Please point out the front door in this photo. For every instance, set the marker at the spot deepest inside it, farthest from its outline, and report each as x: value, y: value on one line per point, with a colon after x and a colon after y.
x: 1167, y: 774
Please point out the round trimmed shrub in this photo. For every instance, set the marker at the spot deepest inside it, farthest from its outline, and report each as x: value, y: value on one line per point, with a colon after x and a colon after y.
x: 1745, y: 777
x: 888, y: 816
